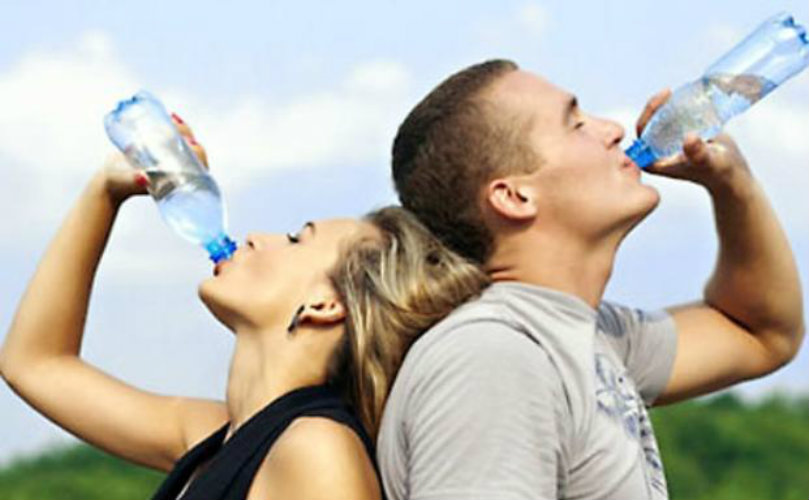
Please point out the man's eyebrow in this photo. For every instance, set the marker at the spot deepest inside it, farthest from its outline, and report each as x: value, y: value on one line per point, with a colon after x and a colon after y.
x: 570, y: 107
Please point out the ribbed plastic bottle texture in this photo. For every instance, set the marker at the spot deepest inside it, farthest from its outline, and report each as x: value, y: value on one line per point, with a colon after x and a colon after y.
x: 775, y: 51
x: 186, y: 194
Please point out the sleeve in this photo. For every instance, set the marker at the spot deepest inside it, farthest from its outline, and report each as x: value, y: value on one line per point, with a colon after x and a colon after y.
x: 482, y: 422
x: 647, y: 342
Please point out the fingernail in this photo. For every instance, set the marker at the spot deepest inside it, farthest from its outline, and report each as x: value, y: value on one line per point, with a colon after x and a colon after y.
x: 177, y: 118
x: 141, y: 180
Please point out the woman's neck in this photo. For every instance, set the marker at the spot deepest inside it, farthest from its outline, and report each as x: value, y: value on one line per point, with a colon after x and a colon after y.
x: 264, y: 367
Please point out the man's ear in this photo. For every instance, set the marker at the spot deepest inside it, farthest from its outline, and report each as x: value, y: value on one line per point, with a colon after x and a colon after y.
x: 512, y: 198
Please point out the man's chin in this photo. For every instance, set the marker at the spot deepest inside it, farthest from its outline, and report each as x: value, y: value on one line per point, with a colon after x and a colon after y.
x: 653, y: 200
x: 645, y: 206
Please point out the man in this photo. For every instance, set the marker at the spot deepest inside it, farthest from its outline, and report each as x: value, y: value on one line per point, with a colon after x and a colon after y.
x: 538, y: 389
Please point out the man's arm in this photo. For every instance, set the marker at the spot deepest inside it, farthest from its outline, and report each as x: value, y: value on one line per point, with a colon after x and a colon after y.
x: 750, y: 321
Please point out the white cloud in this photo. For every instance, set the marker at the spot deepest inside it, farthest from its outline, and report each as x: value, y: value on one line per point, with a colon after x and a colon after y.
x: 52, y: 137
x: 720, y: 37
x: 525, y: 24
x: 779, y: 122
x: 533, y: 17
x: 352, y: 122
x: 53, y: 104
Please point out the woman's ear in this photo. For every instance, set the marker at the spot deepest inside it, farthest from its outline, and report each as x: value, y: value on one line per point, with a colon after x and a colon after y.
x: 323, y: 312
x: 512, y: 198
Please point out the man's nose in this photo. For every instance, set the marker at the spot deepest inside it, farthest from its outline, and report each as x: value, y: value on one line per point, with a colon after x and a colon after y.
x: 613, y: 132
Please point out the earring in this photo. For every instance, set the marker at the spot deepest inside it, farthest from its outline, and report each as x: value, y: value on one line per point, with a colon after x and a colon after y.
x: 295, y: 319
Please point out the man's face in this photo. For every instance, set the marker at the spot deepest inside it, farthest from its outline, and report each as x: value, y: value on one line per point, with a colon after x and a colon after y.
x: 586, y: 186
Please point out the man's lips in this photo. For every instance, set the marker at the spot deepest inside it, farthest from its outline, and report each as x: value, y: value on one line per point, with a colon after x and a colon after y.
x: 628, y: 163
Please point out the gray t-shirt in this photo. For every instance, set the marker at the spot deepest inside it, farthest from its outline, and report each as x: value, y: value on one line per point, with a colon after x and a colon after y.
x: 527, y: 392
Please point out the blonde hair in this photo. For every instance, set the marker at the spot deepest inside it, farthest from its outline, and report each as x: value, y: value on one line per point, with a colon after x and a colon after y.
x: 394, y: 287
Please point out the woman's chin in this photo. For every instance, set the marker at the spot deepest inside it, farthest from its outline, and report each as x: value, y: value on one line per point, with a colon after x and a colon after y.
x: 217, y: 307
x: 204, y: 291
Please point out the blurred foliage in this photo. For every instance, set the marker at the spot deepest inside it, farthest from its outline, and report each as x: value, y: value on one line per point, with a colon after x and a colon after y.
x: 722, y: 448
x: 719, y: 448
x: 76, y: 472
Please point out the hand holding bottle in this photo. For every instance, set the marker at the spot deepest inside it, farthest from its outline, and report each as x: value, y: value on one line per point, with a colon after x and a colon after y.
x: 773, y: 53
x: 121, y: 181
x: 712, y: 163
x: 187, y: 196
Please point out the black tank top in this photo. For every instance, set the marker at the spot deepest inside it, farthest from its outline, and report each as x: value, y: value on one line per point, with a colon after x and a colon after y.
x: 233, y: 465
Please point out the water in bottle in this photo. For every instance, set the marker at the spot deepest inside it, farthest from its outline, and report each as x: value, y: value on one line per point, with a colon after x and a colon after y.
x: 774, y: 52
x: 187, y: 196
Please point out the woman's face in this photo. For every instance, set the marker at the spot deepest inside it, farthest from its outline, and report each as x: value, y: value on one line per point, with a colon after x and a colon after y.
x: 271, y: 275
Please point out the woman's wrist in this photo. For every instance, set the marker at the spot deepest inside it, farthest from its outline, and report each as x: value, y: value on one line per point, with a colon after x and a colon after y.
x: 98, y: 188
x: 118, y: 186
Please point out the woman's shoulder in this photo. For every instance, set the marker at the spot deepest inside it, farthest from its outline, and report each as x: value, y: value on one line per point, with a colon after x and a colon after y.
x: 315, y: 435
x: 316, y: 457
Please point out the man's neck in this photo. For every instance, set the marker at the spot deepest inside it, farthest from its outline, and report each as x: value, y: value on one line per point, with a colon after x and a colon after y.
x: 561, y: 264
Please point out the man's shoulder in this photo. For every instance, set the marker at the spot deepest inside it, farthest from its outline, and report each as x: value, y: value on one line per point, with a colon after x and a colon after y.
x: 478, y: 319
x: 478, y: 335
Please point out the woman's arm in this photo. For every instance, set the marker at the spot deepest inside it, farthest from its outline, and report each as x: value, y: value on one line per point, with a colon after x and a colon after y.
x: 40, y: 355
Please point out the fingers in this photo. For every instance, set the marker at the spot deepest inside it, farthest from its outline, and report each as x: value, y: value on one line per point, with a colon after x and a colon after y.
x: 141, y: 179
x: 188, y: 134
x: 678, y: 159
x: 182, y: 127
x: 115, y: 160
x: 653, y: 105
x: 696, y: 150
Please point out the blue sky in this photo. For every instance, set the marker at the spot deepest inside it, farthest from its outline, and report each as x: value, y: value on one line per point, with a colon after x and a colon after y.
x: 297, y: 104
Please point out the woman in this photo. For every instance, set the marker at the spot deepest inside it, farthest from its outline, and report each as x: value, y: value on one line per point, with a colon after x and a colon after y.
x: 322, y: 320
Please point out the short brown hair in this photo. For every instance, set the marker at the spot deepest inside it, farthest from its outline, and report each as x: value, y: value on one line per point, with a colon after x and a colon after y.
x: 448, y: 148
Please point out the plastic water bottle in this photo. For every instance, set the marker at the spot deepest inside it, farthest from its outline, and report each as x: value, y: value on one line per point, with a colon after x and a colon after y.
x: 187, y: 196
x: 774, y: 52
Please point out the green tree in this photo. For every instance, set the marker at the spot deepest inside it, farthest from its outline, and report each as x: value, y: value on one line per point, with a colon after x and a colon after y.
x: 78, y: 471
x: 723, y: 448
x: 720, y: 448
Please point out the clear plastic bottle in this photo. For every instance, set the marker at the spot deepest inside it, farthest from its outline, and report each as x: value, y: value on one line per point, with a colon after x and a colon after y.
x: 775, y: 51
x: 187, y: 196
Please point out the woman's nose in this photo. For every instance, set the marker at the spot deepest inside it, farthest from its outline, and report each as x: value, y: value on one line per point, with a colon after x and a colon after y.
x: 258, y: 241
x: 251, y: 241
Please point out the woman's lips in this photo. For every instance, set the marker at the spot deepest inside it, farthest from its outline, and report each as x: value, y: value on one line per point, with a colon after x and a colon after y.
x: 217, y: 268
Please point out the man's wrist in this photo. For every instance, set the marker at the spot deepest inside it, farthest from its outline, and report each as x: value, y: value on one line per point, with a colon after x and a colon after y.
x: 739, y: 185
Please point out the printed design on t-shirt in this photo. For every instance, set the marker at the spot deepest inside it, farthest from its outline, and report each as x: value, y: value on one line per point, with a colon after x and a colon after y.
x: 617, y: 398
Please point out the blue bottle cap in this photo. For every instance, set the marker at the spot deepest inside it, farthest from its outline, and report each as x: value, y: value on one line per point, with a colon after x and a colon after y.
x: 221, y: 248
x: 641, y: 154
